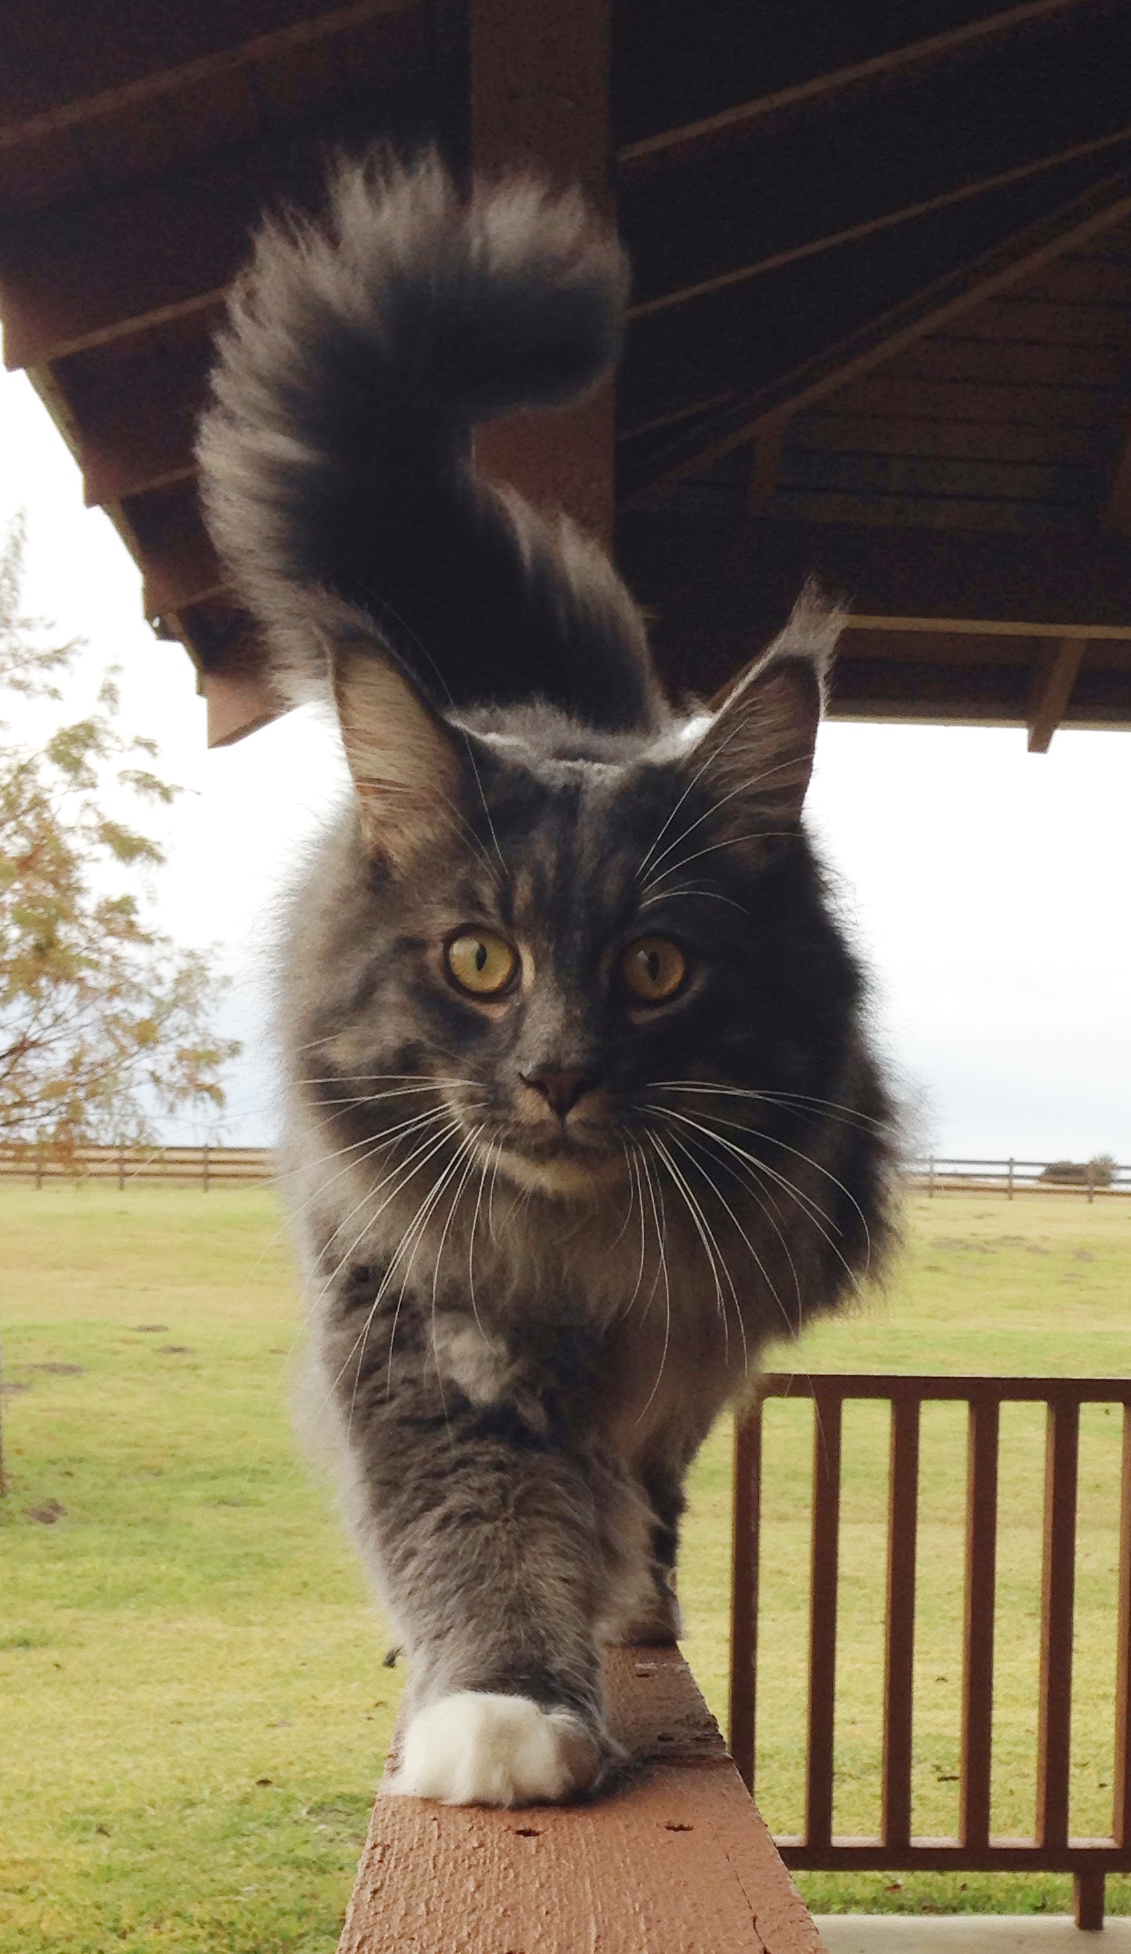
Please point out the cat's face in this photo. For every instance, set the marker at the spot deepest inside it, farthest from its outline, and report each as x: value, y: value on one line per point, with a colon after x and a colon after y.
x: 562, y: 943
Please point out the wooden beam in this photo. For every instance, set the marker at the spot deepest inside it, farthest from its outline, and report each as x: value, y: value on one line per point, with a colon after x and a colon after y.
x: 539, y: 99
x: 1117, y: 512
x: 736, y: 122
x: 890, y: 220
x: 238, y: 703
x: 937, y: 305
x: 142, y: 256
x: 673, y: 1857
x: 147, y: 88
x: 1053, y: 680
x: 945, y: 602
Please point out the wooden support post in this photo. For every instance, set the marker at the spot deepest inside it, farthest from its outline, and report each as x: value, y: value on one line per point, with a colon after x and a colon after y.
x: 539, y: 100
x: 204, y: 1168
x: 1053, y: 681
x: 1088, y: 1896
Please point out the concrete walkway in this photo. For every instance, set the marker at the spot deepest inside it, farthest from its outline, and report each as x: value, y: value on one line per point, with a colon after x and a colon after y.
x: 967, y: 1933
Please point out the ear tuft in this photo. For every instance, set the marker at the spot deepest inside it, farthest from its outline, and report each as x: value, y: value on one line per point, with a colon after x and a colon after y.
x: 810, y: 633
x: 757, y: 752
x: 401, y: 754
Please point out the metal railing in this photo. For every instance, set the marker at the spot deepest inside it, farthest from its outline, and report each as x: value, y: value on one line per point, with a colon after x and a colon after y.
x: 1052, y: 1849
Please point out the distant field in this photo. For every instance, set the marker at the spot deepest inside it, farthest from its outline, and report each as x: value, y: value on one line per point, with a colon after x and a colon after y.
x: 194, y: 1704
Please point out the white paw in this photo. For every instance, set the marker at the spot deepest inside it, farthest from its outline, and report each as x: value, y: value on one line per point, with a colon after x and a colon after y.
x: 473, y: 1748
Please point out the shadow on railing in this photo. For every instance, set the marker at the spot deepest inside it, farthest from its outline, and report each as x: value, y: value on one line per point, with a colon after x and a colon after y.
x: 974, y: 1849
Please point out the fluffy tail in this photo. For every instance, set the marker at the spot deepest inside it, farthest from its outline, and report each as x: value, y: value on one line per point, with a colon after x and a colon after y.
x: 359, y: 355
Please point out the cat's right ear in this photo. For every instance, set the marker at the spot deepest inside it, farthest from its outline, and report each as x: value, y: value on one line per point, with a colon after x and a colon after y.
x: 402, y: 756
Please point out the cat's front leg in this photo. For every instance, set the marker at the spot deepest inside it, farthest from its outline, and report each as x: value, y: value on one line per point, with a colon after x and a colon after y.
x: 484, y: 1522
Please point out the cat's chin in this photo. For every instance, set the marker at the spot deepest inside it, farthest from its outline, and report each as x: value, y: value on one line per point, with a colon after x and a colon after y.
x: 562, y: 1175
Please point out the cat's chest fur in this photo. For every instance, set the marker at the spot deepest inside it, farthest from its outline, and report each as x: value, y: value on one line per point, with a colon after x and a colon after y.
x: 569, y: 1313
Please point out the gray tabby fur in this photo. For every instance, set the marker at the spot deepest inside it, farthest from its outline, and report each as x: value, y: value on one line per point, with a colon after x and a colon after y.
x: 524, y: 1323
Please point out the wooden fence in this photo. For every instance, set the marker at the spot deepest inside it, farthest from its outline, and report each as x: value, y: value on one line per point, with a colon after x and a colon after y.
x: 974, y: 1849
x: 202, y: 1167
x: 1010, y: 1177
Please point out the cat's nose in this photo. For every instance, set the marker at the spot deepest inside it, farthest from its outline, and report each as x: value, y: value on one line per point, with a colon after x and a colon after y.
x: 560, y: 1090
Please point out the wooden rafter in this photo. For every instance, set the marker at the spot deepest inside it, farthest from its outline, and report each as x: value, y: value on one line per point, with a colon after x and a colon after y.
x: 1053, y: 680
x: 737, y: 121
x: 926, y: 311
x: 950, y: 583
x: 189, y: 74
x: 889, y: 220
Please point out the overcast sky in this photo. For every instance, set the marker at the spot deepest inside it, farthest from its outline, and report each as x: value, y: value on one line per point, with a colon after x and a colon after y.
x: 987, y: 886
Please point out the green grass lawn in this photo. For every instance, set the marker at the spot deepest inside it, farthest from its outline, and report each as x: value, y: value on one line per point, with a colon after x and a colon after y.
x: 195, y: 1708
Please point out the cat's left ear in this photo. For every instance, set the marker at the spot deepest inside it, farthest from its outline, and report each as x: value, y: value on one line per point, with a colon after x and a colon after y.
x: 402, y: 755
x: 756, y: 755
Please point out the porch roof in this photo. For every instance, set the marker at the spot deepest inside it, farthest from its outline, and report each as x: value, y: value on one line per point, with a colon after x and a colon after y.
x: 881, y: 325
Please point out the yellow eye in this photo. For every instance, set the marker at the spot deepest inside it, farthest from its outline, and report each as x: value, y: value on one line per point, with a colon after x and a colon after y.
x: 654, y: 969
x: 481, y: 963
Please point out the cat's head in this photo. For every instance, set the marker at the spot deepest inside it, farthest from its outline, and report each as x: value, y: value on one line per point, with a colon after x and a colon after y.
x: 563, y: 932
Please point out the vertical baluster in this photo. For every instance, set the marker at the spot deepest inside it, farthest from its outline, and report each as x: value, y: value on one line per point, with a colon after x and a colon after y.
x: 1121, y: 1814
x: 823, y: 1606
x: 1054, y: 1735
x: 899, y: 1656
x: 978, y: 1663
x: 744, y: 1592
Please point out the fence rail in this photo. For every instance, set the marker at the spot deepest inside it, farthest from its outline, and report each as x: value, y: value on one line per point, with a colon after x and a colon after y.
x: 204, y: 1166
x: 974, y: 1849
x: 936, y: 1176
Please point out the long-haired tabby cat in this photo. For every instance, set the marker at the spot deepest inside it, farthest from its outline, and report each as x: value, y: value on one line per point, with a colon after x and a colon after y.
x: 581, y: 1106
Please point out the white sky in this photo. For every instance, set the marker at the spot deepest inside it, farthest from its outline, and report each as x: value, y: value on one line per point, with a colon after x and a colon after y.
x: 988, y: 886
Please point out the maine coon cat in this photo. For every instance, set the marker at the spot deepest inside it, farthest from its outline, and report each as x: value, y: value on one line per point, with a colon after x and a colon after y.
x: 581, y: 1105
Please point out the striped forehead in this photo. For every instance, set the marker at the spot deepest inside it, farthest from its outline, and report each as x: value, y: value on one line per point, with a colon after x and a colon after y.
x: 574, y: 867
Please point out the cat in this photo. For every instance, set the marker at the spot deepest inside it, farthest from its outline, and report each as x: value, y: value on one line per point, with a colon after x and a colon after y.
x: 582, y: 1110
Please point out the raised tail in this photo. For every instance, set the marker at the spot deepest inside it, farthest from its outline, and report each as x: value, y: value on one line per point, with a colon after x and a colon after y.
x: 336, y: 456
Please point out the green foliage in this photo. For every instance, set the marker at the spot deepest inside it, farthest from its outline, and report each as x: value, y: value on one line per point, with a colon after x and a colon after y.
x: 1100, y: 1171
x: 103, y: 1022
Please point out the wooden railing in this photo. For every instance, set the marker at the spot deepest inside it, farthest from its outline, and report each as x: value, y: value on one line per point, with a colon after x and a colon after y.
x: 203, y: 1166
x: 933, y: 1175
x: 974, y: 1849
x: 672, y: 1859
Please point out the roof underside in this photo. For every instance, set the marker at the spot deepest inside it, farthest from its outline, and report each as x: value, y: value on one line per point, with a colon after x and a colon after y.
x: 881, y: 326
